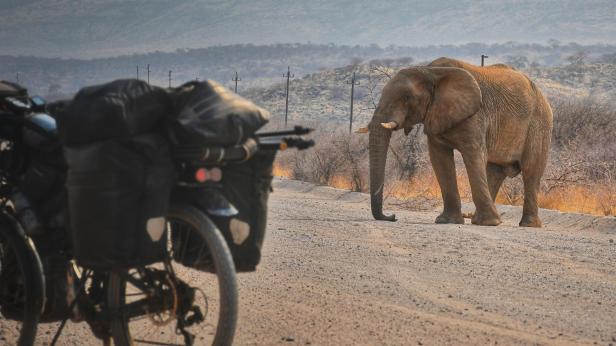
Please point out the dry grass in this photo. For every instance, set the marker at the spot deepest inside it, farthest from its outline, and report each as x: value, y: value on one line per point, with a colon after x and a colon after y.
x: 595, y: 199
x: 282, y: 171
x: 598, y: 199
x: 341, y: 182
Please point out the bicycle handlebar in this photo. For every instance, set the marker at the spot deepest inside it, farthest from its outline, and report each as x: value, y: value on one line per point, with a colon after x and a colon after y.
x: 288, y: 142
x: 239, y: 153
x: 297, y: 131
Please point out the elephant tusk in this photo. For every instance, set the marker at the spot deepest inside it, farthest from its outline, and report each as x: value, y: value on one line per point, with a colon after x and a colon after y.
x: 362, y: 130
x: 390, y: 125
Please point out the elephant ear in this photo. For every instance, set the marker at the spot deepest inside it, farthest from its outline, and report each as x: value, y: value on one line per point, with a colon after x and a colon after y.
x: 456, y: 97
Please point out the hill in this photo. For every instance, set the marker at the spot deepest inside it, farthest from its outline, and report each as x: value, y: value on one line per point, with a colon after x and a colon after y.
x: 262, y: 66
x: 324, y: 96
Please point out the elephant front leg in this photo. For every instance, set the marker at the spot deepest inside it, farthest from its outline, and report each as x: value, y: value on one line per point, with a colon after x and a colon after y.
x: 485, y: 210
x: 445, y: 170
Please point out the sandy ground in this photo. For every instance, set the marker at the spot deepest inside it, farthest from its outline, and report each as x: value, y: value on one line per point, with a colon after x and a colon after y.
x: 331, y: 275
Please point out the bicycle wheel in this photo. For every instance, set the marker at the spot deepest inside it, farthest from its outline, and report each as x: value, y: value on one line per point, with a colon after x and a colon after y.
x: 191, y: 306
x: 22, y: 291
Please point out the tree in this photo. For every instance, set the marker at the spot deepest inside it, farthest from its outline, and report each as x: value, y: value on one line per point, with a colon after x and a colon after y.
x: 578, y: 58
x: 406, y: 61
x: 356, y: 61
x: 517, y: 61
x: 534, y: 67
x: 54, y: 89
x: 554, y: 43
x: 608, y: 58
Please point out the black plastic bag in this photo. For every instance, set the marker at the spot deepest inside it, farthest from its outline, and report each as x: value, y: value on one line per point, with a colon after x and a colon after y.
x: 115, y: 110
x: 208, y: 114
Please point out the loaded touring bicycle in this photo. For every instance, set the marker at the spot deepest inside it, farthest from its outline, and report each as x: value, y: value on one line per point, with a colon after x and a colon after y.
x: 134, y: 213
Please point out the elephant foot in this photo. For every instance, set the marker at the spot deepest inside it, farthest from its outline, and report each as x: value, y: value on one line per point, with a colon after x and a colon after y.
x: 491, y: 219
x: 450, y: 218
x: 530, y: 221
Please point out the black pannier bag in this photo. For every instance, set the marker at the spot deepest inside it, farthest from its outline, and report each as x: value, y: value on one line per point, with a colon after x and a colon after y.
x: 119, y: 109
x: 118, y: 192
x: 246, y: 186
x: 208, y: 114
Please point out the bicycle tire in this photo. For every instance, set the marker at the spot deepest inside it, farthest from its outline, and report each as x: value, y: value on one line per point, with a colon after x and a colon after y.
x: 15, y: 245
x: 224, y: 271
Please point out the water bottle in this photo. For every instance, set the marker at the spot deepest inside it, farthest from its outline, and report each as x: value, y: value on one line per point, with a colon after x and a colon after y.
x: 26, y: 215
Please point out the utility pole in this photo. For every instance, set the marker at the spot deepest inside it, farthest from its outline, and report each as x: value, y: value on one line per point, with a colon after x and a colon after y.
x: 17, y: 77
x: 148, y: 73
x: 353, y: 84
x: 137, y: 72
x: 170, y: 78
x: 236, y: 79
x: 288, y: 76
x: 483, y: 57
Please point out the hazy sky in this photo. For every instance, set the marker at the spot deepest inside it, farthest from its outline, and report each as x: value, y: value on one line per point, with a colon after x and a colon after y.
x: 88, y: 28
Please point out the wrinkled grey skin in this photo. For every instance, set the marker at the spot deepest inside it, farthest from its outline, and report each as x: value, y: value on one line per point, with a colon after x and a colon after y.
x: 494, y: 116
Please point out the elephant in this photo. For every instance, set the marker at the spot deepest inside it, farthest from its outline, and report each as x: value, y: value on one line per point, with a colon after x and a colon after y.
x: 495, y: 116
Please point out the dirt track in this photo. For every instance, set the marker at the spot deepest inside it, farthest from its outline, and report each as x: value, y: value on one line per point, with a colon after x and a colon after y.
x: 332, y: 275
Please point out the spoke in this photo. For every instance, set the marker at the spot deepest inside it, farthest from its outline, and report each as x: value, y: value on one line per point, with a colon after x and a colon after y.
x: 144, y: 314
x: 135, y: 294
x: 137, y: 283
x: 137, y: 308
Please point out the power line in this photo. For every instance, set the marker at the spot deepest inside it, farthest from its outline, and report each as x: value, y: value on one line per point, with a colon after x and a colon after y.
x: 236, y: 79
x: 353, y: 84
x: 483, y: 57
x: 288, y: 76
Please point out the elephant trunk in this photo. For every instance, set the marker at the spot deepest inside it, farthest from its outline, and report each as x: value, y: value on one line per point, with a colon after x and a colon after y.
x: 378, y: 145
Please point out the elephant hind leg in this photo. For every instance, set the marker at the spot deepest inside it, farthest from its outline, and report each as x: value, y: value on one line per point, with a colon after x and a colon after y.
x: 533, y: 165
x: 530, y: 211
x: 496, y: 176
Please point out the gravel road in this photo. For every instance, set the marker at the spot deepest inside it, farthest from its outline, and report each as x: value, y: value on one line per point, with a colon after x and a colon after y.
x: 331, y: 275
